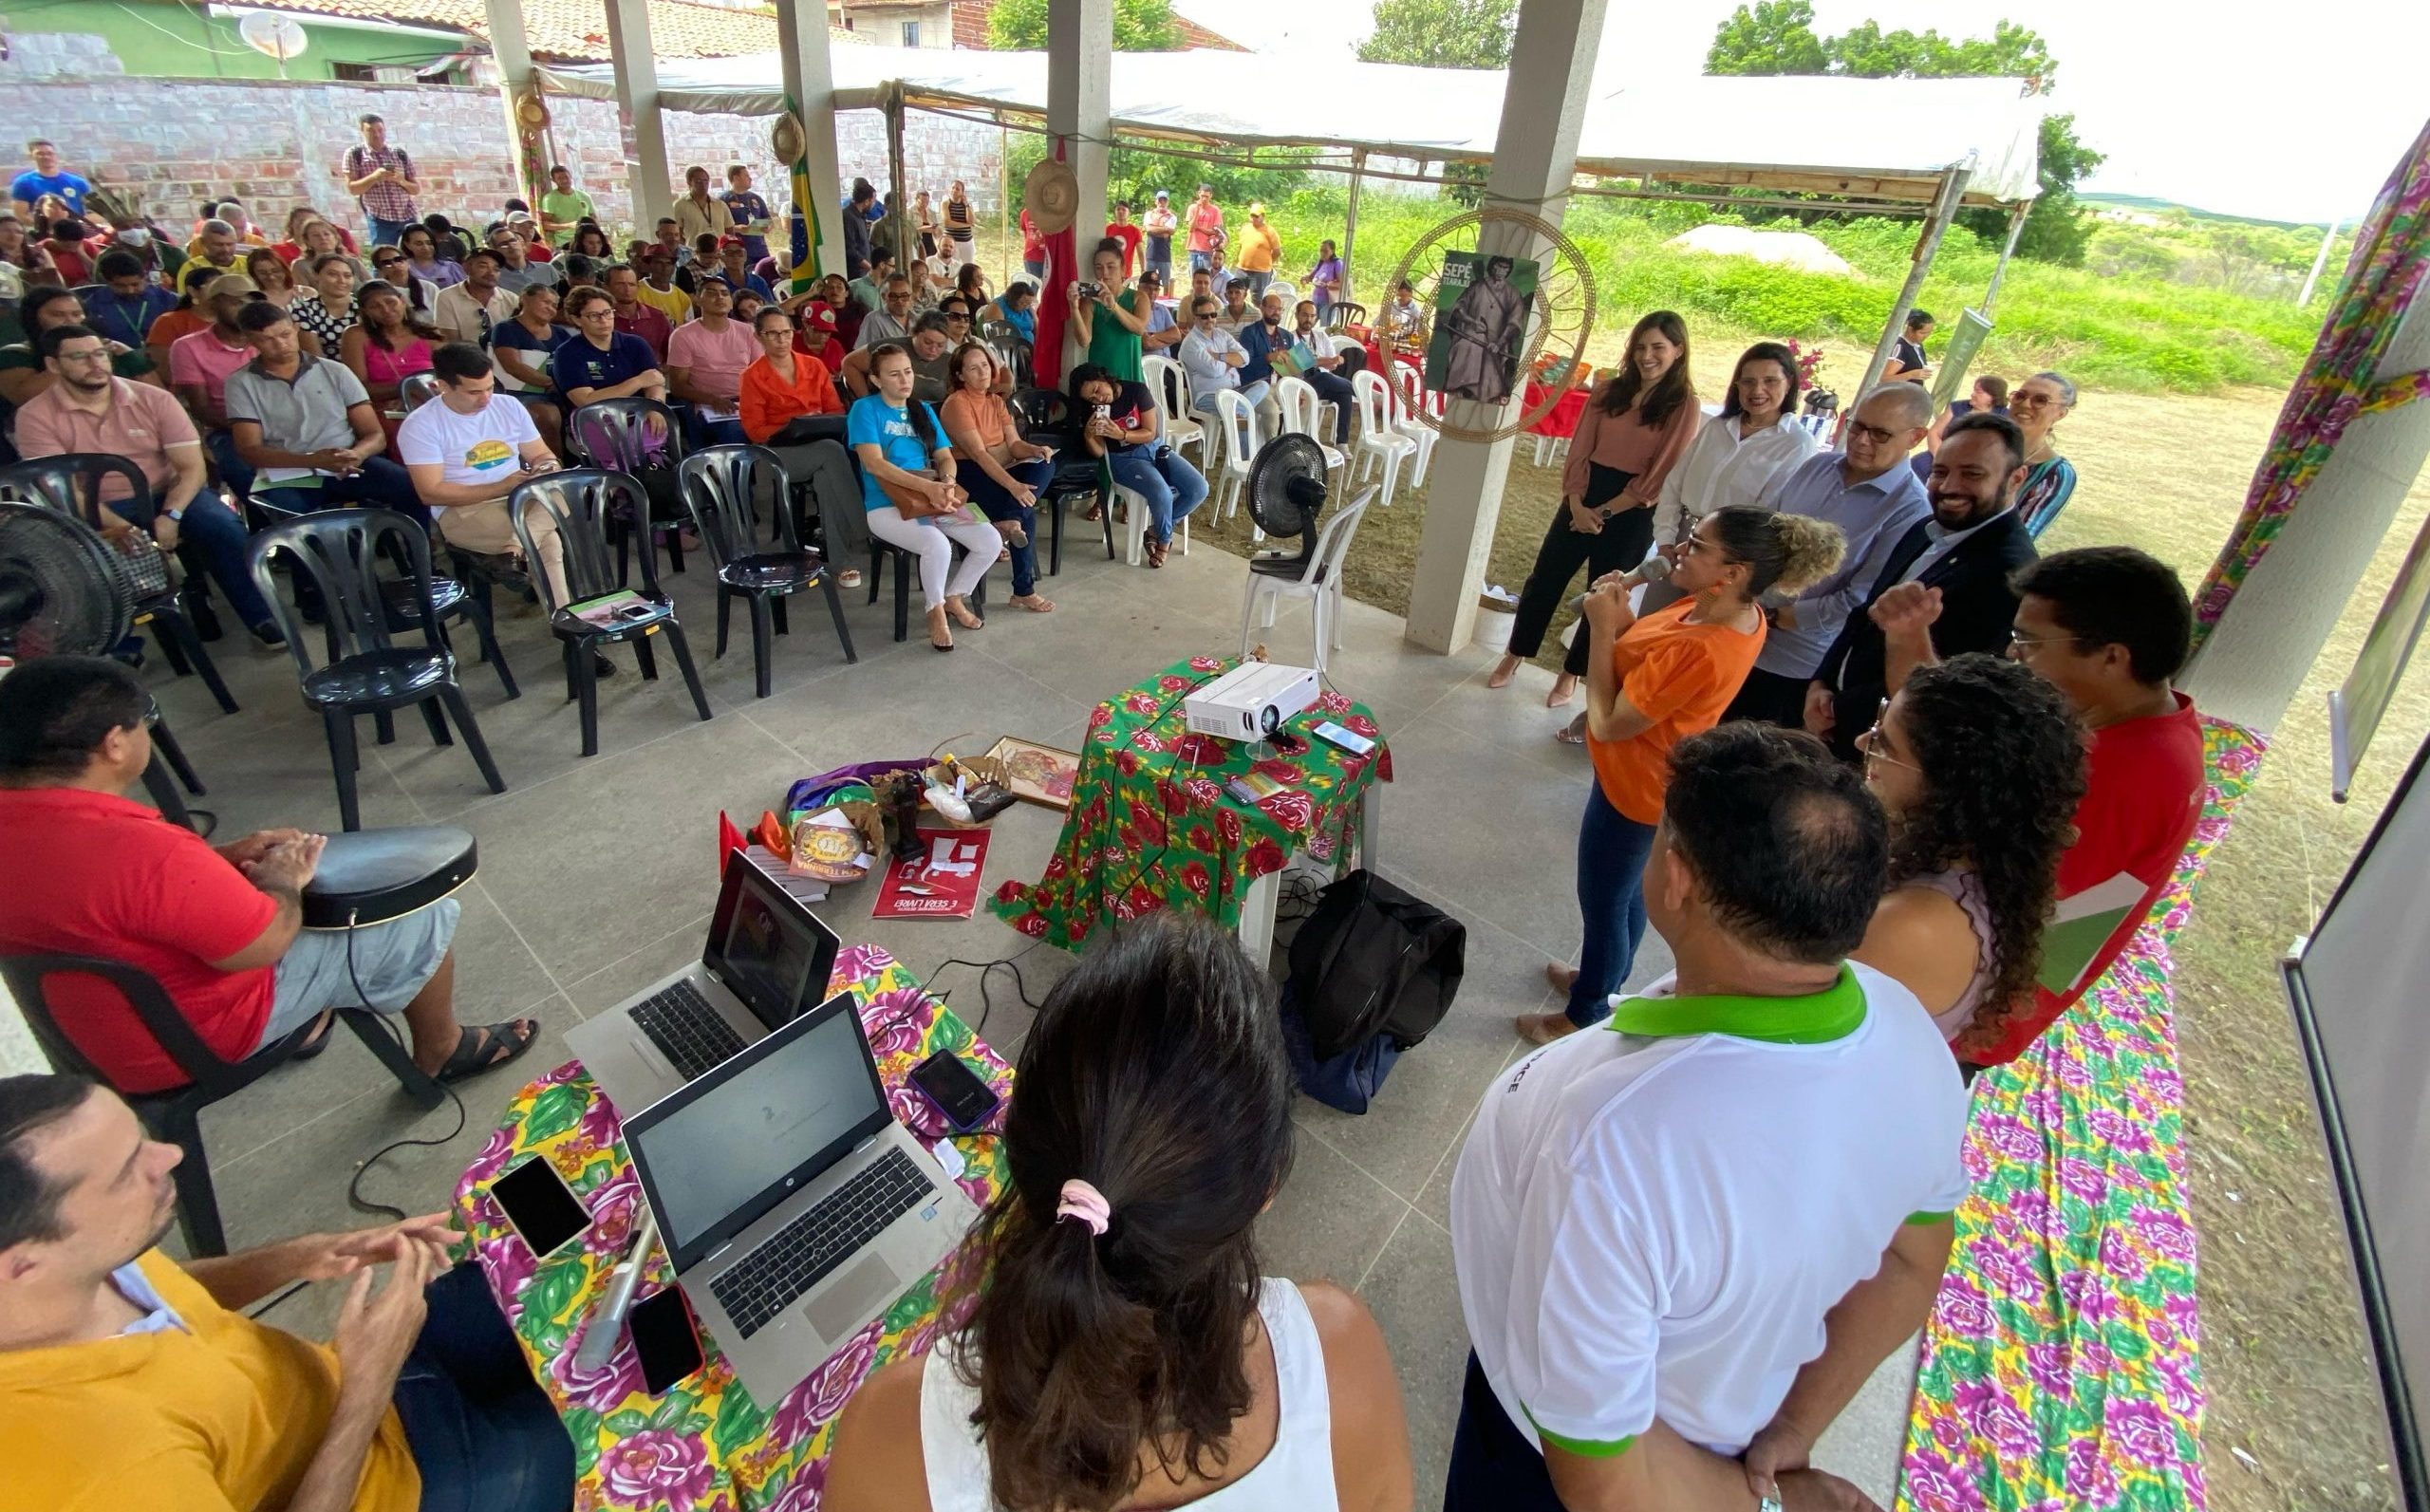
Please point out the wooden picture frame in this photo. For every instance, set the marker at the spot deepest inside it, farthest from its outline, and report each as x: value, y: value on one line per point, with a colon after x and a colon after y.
x: 1049, y: 786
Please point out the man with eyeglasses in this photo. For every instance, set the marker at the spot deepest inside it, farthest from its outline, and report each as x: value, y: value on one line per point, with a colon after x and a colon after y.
x: 1868, y: 491
x: 1959, y: 561
x: 1213, y: 356
x: 893, y: 322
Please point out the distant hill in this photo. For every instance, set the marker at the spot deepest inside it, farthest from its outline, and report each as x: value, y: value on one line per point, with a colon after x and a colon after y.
x: 2151, y: 204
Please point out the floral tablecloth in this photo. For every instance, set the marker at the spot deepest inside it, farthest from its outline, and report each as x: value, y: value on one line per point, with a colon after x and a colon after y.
x: 2060, y: 1369
x: 705, y: 1446
x: 1151, y: 824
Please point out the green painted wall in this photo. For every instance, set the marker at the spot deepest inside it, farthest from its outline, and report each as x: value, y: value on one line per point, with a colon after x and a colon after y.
x: 179, y: 41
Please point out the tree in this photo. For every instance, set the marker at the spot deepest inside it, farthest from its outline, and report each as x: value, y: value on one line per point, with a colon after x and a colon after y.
x: 1139, y: 26
x: 1442, y: 33
x: 1778, y: 37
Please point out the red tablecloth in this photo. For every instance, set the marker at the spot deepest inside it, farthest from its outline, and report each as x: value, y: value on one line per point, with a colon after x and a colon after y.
x: 1559, y: 422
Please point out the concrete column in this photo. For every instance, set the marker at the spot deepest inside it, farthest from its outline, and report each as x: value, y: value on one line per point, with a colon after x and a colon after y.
x: 817, y: 180
x: 636, y: 64
x: 1552, y: 65
x: 1079, y: 103
x: 512, y: 56
x: 2255, y: 659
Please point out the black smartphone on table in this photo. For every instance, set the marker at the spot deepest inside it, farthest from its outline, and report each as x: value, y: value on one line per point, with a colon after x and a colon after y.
x: 958, y: 1094
x: 542, y: 1207
x: 666, y: 1337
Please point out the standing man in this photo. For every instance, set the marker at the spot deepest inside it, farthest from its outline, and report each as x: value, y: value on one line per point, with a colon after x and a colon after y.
x: 699, y: 212
x: 381, y: 177
x: 856, y: 227
x: 704, y: 363
x: 869, y: 290
x: 1960, y: 559
x: 306, y: 427
x: 1160, y: 226
x: 472, y: 311
x: 563, y: 207
x: 634, y: 317
x: 472, y: 449
x: 1122, y: 229
x: 1260, y: 250
x: 1669, y: 1300
x: 750, y: 214
x: 47, y: 177
x: 1205, y: 223
x: 1875, y: 498
x: 198, y: 369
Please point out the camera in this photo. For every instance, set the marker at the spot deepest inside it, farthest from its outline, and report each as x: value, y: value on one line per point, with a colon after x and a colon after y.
x: 1091, y: 290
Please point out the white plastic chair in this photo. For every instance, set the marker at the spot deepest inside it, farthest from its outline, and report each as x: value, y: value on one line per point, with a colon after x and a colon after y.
x: 1379, y: 441
x: 1319, y: 583
x: 1168, y: 385
x: 1290, y: 297
x: 1135, y: 526
x: 1407, y: 394
x: 1236, y: 421
x: 1297, y: 399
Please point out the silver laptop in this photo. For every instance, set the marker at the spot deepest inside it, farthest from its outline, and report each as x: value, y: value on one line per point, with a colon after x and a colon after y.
x: 793, y: 1206
x: 764, y: 964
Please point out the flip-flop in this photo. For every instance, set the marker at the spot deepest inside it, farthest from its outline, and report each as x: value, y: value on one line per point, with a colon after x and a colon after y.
x: 1574, y: 733
x: 1036, y: 604
x: 318, y: 1039
x: 477, y: 1050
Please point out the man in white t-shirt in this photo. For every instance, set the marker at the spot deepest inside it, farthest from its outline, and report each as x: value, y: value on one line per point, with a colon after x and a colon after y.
x: 469, y: 451
x: 1684, y: 1239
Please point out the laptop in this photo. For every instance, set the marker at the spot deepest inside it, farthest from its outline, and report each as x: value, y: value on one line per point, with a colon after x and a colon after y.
x: 765, y: 963
x: 793, y: 1209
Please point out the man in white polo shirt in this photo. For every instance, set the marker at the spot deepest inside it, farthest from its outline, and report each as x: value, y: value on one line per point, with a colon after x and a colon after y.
x: 469, y: 451
x: 1684, y: 1239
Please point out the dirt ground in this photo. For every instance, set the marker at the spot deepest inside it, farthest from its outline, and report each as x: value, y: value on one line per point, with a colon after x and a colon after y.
x: 2294, y: 1422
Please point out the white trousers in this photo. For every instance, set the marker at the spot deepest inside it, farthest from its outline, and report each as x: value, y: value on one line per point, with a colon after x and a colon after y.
x: 932, y: 540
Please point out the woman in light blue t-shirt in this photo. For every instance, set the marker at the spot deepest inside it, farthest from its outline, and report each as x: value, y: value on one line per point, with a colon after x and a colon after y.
x: 908, y: 486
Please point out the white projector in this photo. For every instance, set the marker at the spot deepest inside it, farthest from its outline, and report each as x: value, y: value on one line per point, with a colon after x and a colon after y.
x: 1250, y: 702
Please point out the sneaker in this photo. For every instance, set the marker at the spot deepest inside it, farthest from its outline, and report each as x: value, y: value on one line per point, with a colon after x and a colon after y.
x: 267, y: 636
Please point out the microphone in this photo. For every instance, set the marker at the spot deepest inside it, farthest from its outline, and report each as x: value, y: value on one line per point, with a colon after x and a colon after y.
x: 1653, y: 570
x: 607, y: 1319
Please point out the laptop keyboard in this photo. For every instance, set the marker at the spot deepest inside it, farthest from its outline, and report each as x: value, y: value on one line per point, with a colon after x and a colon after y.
x: 680, y: 1022
x: 798, y: 1256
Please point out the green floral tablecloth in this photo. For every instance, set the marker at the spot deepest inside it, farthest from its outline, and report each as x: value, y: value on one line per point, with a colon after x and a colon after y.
x: 1151, y: 824
x: 705, y: 1446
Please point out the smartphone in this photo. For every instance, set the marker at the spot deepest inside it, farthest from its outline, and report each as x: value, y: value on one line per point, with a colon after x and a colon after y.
x: 1350, y: 740
x: 666, y: 1337
x: 541, y: 1206
x: 956, y: 1091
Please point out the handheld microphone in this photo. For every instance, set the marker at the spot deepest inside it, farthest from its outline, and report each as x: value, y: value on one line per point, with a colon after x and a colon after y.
x: 1653, y: 570
x: 607, y: 1319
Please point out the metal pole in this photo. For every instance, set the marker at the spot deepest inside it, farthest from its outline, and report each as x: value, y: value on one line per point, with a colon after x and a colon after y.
x: 2017, y: 229
x: 1952, y: 188
x: 1350, y: 220
x: 897, y: 207
x: 2319, y: 262
x: 1003, y: 207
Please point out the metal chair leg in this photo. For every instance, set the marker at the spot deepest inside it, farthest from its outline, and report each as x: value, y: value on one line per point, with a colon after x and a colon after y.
x: 461, y: 713
x: 903, y: 595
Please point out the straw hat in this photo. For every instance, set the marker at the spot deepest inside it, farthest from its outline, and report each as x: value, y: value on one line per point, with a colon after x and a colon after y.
x: 1052, y: 196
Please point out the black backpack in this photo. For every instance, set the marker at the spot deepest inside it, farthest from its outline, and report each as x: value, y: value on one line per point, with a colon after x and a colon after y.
x: 1373, y: 971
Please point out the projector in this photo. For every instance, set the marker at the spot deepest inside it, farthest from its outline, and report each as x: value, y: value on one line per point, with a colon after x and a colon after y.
x: 1250, y: 702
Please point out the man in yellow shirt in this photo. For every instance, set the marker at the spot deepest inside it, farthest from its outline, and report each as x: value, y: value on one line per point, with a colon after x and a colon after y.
x: 128, y: 1382
x: 1260, y: 252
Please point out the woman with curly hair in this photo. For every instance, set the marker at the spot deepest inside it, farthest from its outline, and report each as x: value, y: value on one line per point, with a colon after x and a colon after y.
x: 1980, y: 764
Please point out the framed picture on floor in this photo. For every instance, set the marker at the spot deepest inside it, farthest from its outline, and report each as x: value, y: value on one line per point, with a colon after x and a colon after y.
x: 1037, y: 774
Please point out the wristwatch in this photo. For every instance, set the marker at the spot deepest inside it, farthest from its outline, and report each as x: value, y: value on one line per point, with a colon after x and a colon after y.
x: 176, y: 515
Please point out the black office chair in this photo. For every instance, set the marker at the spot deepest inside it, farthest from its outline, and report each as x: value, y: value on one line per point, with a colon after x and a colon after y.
x: 365, y: 672
x: 173, y: 1117
x: 71, y: 483
x: 644, y: 439
x: 721, y: 485
x: 581, y: 503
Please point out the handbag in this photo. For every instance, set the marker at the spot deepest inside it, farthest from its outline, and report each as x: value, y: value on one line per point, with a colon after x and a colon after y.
x: 149, y: 571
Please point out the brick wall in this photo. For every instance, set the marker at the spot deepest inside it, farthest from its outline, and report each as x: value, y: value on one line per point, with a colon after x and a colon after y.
x: 277, y: 144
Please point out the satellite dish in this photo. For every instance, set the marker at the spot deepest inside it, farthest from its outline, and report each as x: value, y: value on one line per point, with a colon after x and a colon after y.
x: 277, y: 36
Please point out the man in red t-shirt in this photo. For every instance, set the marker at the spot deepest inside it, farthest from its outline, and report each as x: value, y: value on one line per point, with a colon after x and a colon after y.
x: 92, y: 873
x: 1123, y: 229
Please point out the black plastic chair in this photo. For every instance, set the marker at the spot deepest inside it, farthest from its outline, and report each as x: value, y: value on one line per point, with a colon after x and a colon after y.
x: 173, y: 1115
x: 625, y: 435
x: 366, y: 672
x: 581, y: 502
x: 1344, y: 313
x: 1045, y: 419
x: 71, y: 483
x: 720, y: 487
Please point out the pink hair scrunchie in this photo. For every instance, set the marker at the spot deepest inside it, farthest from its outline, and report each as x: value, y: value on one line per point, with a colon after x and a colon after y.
x: 1085, y: 1202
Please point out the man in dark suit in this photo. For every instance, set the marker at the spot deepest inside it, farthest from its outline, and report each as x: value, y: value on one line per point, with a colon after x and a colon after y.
x: 1954, y: 566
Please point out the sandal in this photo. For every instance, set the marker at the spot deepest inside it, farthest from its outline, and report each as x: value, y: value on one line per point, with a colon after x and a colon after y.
x: 318, y: 1039
x: 849, y: 578
x: 961, y: 614
x: 1562, y: 977
x: 1155, y: 551
x: 1035, y: 603
x: 486, y: 1047
x: 1012, y: 532
x: 1574, y: 733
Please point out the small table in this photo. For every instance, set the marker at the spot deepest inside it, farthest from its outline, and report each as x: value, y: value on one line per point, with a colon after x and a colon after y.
x: 705, y: 1443
x: 1152, y: 824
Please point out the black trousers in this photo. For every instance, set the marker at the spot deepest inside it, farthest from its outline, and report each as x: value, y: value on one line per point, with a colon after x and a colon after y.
x: 1621, y: 545
x: 1494, y: 1466
x: 1770, y: 698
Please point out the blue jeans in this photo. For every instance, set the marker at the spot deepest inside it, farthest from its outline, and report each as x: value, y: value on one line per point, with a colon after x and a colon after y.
x: 1257, y: 286
x: 1172, y: 487
x: 1332, y: 388
x: 1612, y: 848
x: 1494, y: 1466
x: 1200, y: 262
x: 1254, y: 392
x: 213, y: 533
x: 234, y: 470
x: 481, y: 1431
x: 386, y: 233
x: 997, y: 504
x: 382, y: 484
x: 1036, y: 271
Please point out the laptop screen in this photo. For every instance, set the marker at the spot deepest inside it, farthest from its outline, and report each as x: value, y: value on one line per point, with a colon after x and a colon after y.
x: 771, y: 951
x: 736, y: 1142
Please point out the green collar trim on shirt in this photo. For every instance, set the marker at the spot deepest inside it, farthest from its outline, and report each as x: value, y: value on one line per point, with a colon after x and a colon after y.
x: 1815, y: 1019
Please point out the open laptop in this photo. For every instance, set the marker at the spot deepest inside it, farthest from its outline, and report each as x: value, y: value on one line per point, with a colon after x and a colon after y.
x: 765, y: 963
x: 793, y: 1206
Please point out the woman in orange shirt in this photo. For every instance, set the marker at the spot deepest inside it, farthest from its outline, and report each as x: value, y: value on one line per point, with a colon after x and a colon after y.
x: 1651, y: 683
x: 785, y: 399
x: 1004, y: 472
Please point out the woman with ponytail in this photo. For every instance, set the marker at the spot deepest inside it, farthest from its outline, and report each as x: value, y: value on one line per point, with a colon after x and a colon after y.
x: 1651, y: 683
x: 1125, y: 1348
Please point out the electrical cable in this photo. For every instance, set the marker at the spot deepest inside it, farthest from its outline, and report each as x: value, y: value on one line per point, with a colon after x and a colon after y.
x: 986, y: 998
x: 354, y: 1198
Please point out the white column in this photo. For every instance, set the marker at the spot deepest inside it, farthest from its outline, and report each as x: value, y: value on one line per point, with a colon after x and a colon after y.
x: 2255, y: 659
x: 1552, y: 65
x: 1079, y: 103
x: 512, y: 56
x: 810, y: 90
x: 636, y: 63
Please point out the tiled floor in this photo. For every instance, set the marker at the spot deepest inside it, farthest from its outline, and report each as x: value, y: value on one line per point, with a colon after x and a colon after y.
x: 597, y: 874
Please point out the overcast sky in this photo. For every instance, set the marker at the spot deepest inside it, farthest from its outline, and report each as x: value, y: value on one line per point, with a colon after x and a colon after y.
x: 2291, y: 112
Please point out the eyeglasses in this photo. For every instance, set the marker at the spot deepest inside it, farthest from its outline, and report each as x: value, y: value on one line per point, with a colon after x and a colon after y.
x: 2023, y: 641
x: 1878, y: 435
x: 1870, y: 745
x: 386, y: 262
x: 2030, y: 401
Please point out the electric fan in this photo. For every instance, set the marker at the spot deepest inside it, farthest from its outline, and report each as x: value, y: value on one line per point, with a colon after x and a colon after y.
x: 62, y: 591
x: 1286, y: 491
